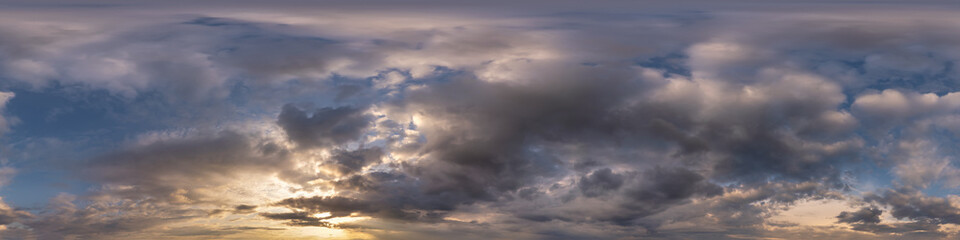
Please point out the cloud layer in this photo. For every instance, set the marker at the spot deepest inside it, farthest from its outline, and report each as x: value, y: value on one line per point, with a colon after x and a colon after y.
x: 541, y: 122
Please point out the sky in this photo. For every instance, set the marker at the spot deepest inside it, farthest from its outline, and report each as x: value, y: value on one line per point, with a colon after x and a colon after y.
x: 429, y: 119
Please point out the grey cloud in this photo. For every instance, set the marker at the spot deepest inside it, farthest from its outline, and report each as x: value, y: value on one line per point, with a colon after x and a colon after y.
x: 391, y: 196
x: 10, y: 215
x: 353, y: 161
x: 927, y: 214
x: 867, y: 220
x: 305, y: 208
x: 657, y: 190
x: 270, y: 57
x: 370, y: 182
x: 298, y: 219
x: 924, y: 229
x: 641, y: 196
x: 210, y: 69
x: 670, y: 185
x: 493, y: 127
x: 907, y: 203
x: 198, y: 231
x: 864, y: 215
x: 323, y: 128
x: 99, y: 218
x: 482, y: 146
x: 857, y: 54
x: 337, y: 206
x: 4, y: 123
x: 738, y: 209
x: 599, y: 182
x: 169, y: 169
x: 244, y: 208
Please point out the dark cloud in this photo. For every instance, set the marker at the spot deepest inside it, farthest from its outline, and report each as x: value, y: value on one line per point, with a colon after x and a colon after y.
x: 244, y: 208
x: 652, y: 192
x: 914, y: 229
x: 298, y: 219
x: 354, y: 161
x: 486, y: 149
x: 337, y: 206
x: 664, y: 186
x: 926, y: 214
x: 738, y: 208
x: 305, y: 210
x: 496, y: 125
x: 907, y: 203
x: 325, y: 127
x: 390, y: 196
x: 491, y: 139
x: 600, y: 182
x: 864, y: 215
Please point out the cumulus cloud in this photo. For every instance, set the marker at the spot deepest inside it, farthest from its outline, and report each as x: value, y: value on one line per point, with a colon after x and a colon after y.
x: 920, y: 216
x: 909, y: 203
x: 864, y: 215
x: 4, y: 123
x: 894, y: 105
x: 171, y: 169
x: 325, y: 127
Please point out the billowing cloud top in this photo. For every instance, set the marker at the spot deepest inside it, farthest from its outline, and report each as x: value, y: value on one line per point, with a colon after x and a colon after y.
x: 467, y: 120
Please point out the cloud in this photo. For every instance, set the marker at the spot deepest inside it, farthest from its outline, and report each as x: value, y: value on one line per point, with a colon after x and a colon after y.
x: 325, y: 127
x: 586, y: 124
x: 480, y: 140
x: 894, y: 105
x: 4, y: 123
x: 864, y: 215
x: 99, y: 218
x: 909, y: 203
x: 354, y: 161
x: 178, y: 169
x: 8, y: 214
x: 599, y: 182
x: 868, y: 220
